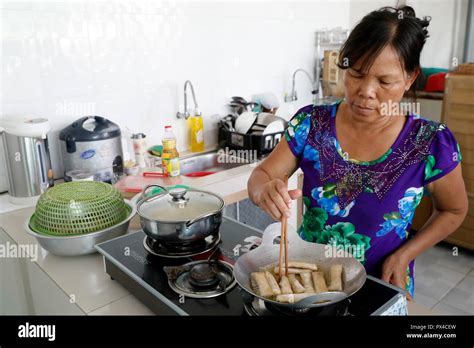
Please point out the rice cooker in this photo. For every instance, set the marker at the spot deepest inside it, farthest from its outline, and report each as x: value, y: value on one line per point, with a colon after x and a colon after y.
x: 92, y: 144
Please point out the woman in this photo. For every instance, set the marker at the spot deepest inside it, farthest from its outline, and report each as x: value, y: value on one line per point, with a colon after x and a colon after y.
x: 366, y: 166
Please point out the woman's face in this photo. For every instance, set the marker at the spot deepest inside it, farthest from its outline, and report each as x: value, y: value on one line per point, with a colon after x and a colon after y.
x: 372, y: 94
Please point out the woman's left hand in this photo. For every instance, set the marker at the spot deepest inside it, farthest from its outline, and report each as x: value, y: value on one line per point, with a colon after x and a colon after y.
x: 394, y: 271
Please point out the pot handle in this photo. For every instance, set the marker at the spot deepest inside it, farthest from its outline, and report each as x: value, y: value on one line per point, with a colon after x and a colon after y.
x: 190, y: 222
x: 145, y: 189
x: 332, y: 296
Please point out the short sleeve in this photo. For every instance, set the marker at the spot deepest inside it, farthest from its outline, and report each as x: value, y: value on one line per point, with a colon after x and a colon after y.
x: 444, y: 155
x: 298, y: 129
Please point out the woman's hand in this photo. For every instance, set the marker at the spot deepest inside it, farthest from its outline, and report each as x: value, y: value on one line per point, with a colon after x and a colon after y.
x: 394, y: 271
x: 275, y: 198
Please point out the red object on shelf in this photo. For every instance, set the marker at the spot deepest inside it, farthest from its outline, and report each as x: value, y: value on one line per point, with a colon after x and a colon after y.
x: 155, y: 175
x: 435, y: 82
x: 198, y: 174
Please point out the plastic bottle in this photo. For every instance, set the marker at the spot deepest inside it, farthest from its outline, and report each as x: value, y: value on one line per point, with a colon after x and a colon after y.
x: 196, y: 128
x: 170, y: 156
x: 139, y: 148
x: 127, y: 145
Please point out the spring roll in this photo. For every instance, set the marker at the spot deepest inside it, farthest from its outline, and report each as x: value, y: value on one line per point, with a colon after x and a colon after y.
x: 295, y: 284
x: 260, y: 284
x: 303, y: 265
x: 336, y: 278
x: 319, y: 282
x: 307, y: 282
x: 285, y: 285
x: 292, y: 298
x: 276, y: 270
x: 273, y: 283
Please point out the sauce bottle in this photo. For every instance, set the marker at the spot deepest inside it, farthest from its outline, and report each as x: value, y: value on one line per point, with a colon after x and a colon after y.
x: 196, y: 128
x: 170, y: 156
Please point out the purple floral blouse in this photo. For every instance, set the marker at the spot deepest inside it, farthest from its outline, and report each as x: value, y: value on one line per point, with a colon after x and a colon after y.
x: 366, y: 208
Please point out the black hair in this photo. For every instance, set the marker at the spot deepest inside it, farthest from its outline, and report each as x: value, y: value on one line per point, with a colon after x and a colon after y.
x: 398, y: 27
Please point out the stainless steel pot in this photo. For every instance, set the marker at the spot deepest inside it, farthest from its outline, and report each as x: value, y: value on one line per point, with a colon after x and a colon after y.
x: 267, y: 253
x: 180, y: 216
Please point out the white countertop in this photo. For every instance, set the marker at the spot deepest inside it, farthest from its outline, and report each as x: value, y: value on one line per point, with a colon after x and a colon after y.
x: 84, y: 276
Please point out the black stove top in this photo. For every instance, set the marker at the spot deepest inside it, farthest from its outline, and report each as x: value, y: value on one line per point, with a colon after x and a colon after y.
x: 128, y: 262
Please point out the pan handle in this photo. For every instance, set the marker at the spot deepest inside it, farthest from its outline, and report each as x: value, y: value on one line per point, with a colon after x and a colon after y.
x: 271, y: 232
x: 331, y: 296
x: 274, y: 230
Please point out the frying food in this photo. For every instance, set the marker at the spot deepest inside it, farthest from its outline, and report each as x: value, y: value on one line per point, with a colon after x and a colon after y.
x: 276, y: 270
x: 319, y: 282
x: 295, y: 284
x: 336, y: 278
x: 303, y: 265
x: 292, y: 298
x: 273, y: 283
x: 307, y: 282
x: 285, y: 285
x: 303, y: 280
x: 260, y: 284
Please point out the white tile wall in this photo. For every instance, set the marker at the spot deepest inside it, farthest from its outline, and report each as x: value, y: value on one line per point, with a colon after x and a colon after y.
x: 444, y: 36
x: 128, y: 60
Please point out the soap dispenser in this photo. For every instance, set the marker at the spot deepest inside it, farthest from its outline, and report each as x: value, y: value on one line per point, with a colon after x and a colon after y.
x: 196, y: 128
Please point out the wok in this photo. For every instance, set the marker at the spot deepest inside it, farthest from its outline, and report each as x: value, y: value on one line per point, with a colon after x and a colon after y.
x: 267, y: 253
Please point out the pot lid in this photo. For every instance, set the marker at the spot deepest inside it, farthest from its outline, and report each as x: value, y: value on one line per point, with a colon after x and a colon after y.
x: 33, y: 127
x: 90, y: 128
x: 180, y: 205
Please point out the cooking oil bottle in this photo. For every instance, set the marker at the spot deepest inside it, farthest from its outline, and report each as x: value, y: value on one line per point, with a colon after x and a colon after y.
x: 170, y: 156
x: 196, y: 128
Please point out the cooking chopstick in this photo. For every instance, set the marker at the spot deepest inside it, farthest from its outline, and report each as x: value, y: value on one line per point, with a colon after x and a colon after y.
x: 286, y: 245
x: 284, y: 240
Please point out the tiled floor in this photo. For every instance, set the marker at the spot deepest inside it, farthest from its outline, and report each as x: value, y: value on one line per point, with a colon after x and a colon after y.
x: 445, y: 282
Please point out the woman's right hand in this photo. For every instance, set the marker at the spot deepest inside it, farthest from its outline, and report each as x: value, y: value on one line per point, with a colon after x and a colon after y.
x: 275, y: 199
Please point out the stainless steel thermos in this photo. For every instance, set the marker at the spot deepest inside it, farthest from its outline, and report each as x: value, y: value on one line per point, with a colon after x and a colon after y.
x: 28, y: 162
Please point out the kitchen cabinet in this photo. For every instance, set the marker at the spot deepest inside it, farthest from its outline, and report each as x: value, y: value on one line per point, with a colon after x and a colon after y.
x: 458, y: 115
x: 27, y: 290
x: 14, y: 299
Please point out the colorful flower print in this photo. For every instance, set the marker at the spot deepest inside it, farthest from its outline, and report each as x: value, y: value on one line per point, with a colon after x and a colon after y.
x: 399, y: 220
x: 327, y: 199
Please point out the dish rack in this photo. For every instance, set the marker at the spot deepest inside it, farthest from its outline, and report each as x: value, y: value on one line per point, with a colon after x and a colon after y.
x: 261, y: 143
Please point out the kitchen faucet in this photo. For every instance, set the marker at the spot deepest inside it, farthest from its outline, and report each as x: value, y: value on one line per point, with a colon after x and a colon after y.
x: 186, y: 114
x: 293, y: 96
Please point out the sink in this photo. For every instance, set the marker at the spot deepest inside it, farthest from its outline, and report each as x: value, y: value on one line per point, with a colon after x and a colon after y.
x: 210, y: 162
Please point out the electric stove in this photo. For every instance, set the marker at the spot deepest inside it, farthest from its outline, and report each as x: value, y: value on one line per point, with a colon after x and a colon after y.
x: 127, y: 261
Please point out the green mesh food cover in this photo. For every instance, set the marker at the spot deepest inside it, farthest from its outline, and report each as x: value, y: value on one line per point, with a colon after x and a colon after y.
x: 80, y: 207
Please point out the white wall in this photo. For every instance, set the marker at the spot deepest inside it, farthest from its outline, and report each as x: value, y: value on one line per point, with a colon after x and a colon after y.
x: 445, y: 41
x: 128, y: 60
